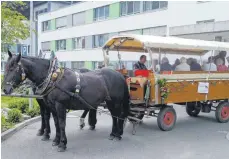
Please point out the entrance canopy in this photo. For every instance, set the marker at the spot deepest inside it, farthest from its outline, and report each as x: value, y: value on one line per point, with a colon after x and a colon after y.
x: 170, y: 45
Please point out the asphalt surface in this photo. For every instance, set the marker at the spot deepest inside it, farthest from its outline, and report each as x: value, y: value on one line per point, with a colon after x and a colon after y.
x: 192, y: 138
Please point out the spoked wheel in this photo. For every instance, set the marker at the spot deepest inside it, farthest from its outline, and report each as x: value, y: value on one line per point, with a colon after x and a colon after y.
x: 192, y: 109
x: 222, y: 112
x: 166, y: 118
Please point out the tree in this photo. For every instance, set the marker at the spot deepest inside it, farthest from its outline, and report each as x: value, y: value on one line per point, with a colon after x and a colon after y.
x: 14, y: 26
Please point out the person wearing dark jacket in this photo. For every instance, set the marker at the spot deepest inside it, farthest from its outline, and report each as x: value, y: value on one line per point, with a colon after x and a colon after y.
x: 194, y: 66
x: 165, y: 66
x: 177, y: 62
x: 140, y: 65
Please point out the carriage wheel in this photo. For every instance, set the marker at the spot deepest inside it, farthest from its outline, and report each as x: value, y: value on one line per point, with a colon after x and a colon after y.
x: 166, y: 118
x: 222, y: 112
x: 192, y: 110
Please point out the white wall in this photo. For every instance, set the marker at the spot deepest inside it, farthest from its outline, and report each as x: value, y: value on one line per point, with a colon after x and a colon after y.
x: 178, y: 13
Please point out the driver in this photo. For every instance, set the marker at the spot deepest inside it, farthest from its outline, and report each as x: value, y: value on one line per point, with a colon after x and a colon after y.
x: 140, y: 65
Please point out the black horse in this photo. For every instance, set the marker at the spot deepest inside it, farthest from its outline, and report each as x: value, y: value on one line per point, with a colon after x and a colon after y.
x: 45, y: 130
x: 71, y: 91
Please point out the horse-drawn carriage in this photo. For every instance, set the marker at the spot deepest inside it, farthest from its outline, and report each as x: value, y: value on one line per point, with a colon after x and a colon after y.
x: 152, y: 92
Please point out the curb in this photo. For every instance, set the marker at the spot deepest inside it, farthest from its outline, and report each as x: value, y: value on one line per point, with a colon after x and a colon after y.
x: 8, y: 133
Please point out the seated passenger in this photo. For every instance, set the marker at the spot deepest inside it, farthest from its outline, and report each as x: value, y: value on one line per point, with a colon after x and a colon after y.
x: 222, y: 55
x: 194, y: 65
x: 183, y: 66
x: 210, y: 66
x: 177, y: 62
x: 165, y: 66
x: 140, y: 65
x: 220, y: 65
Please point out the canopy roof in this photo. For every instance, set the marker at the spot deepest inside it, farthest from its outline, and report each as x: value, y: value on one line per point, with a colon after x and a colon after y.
x: 171, y: 45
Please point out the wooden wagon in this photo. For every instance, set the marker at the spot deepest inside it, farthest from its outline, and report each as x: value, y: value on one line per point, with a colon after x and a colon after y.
x: 153, y: 94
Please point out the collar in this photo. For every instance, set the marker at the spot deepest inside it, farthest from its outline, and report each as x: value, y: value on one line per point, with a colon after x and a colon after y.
x: 78, y: 82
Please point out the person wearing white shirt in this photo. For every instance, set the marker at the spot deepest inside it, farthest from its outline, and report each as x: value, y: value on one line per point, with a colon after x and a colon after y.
x: 210, y: 66
x: 183, y: 65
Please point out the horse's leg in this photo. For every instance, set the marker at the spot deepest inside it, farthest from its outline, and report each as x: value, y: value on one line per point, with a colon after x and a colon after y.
x: 47, y: 131
x: 92, y: 118
x: 61, y: 113
x: 42, y: 112
x: 121, y: 119
x: 111, y: 108
x: 56, y: 141
x: 82, y: 123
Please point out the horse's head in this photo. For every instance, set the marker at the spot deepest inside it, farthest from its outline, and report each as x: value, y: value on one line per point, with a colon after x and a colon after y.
x: 14, y: 73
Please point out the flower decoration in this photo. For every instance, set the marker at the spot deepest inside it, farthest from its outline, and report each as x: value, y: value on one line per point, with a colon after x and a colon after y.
x: 164, y: 90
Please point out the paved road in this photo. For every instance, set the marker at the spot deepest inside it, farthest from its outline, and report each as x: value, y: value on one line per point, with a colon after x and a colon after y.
x: 195, y: 138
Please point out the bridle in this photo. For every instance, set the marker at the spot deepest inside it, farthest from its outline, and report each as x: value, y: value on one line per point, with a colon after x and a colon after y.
x: 23, y: 75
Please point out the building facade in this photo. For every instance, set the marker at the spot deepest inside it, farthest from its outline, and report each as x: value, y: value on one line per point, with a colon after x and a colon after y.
x: 76, y: 33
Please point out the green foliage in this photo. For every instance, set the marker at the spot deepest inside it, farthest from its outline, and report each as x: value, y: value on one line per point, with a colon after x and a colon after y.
x: 5, y: 124
x: 14, y: 26
x: 14, y: 116
x: 35, y: 111
x: 20, y: 104
x: 164, y: 90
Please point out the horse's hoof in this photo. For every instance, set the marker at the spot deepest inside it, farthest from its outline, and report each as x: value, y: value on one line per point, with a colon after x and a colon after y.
x: 61, y: 148
x: 40, y: 133
x: 55, y: 143
x: 45, y: 138
x: 82, y: 126
x: 111, y: 137
x: 92, y: 128
x: 118, y: 138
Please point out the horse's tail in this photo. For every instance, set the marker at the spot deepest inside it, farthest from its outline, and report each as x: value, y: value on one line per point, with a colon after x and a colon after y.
x: 126, y: 101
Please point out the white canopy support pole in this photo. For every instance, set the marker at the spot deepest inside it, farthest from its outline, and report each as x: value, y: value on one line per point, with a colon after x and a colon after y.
x: 105, y: 58
x: 151, y: 58
x: 159, y: 60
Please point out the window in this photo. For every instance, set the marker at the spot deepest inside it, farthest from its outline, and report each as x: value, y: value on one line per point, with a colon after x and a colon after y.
x: 78, y: 18
x: 46, y: 46
x: 138, y: 31
x: 77, y: 65
x: 158, y: 31
x: 63, y: 64
x: 40, y: 12
x: 153, y: 5
x: 60, y: 45
x: 205, y: 21
x: 79, y: 43
x: 101, y: 13
x: 99, y: 40
x: 61, y: 22
x: 130, y: 7
x: 46, y: 25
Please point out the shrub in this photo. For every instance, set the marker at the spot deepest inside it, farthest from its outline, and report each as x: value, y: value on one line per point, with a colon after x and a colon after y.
x: 3, y: 119
x: 35, y: 111
x: 14, y: 116
x: 21, y: 104
x: 4, y: 124
x: 32, y: 112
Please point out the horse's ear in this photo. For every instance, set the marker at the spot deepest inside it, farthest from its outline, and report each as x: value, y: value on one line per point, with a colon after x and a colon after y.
x: 18, y: 58
x: 9, y: 53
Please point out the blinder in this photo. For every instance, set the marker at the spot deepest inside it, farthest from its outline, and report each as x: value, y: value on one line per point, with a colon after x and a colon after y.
x: 23, y: 75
